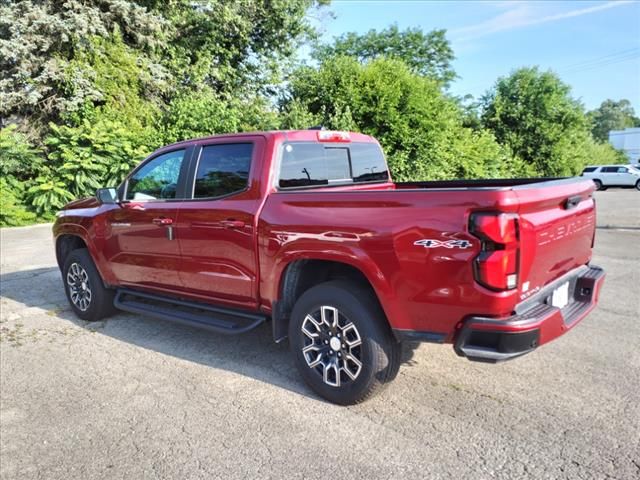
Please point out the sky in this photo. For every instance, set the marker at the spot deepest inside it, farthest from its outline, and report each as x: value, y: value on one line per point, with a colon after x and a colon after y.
x: 594, y: 46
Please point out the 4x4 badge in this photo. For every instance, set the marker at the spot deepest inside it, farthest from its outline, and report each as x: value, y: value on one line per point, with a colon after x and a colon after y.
x: 429, y: 243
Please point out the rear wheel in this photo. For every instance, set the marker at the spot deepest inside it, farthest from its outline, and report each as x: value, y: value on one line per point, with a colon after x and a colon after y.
x: 87, y: 295
x: 341, y: 342
x: 598, y: 185
x: 638, y: 185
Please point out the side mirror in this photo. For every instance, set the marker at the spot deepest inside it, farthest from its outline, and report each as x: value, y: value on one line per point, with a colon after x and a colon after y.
x: 107, y: 195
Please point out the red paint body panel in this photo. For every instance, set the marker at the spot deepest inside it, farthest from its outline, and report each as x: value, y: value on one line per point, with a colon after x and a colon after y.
x: 136, y: 248
x: 372, y: 227
x: 419, y: 288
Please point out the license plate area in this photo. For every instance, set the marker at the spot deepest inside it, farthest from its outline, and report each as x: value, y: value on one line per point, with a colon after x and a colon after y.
x: 560, y: 296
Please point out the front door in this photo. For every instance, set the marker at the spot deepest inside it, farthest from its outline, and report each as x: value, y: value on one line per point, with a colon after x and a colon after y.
x: 626, y: 177
x: 216, y: 225
x: 140, y: 242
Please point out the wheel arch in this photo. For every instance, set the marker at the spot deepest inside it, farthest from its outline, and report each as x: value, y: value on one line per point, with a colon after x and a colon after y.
x: 65, y: 244
x: 69, y: 237
x: 299, y: 275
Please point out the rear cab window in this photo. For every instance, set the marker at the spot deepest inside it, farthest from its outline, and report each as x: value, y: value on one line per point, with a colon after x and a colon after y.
x: 589, y: 169
x: 311, y: 164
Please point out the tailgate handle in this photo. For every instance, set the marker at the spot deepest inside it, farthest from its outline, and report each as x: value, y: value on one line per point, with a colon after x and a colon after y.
x: 572, y: 202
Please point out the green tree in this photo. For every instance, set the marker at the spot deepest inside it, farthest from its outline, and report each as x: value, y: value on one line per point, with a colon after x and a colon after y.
x: 533, y: 114
x: 602, y: 153
x: 232, y: 46
x: 49, y: 55
x: 419, y: 128
x: 612, y: 115
x: 427, y: 54
x: 202, y: 112
x: 38, y: 42
x: 92, y: 86
x: 470, y: 108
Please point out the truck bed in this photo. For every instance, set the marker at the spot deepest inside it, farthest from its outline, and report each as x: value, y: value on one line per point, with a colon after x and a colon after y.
x: 429, y: 289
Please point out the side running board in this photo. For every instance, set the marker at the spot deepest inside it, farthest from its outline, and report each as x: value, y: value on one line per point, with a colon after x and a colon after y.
x: 200, y: 315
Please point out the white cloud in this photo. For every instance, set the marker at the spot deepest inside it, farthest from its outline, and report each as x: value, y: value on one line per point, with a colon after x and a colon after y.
x: 524, y: 14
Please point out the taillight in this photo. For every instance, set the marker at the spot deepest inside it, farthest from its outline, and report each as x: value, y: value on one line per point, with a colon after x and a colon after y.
x: 496, y: 267
x: 333, y: 136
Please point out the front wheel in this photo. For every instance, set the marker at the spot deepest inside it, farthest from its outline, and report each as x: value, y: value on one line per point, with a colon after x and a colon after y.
x: 341, y: 342
x: 87, y: 295
x: 638, y: 185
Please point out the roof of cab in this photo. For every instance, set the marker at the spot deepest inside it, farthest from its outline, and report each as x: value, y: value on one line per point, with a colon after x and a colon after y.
x: 285, y: 135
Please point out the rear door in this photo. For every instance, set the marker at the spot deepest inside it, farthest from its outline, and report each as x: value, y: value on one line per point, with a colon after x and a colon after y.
x: 140, y: 241
x: 216, y: 227
x: 610, y: 176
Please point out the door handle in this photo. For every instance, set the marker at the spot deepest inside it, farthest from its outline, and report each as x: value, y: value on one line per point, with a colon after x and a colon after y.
x: 232, y: 223
x: 162, y: 222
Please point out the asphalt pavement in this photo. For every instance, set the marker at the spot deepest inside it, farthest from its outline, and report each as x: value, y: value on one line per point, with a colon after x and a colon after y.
x: 133, y: 397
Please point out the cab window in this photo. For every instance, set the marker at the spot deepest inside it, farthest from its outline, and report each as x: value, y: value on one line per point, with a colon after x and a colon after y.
x: 222, y: 170
x: 157, y: 179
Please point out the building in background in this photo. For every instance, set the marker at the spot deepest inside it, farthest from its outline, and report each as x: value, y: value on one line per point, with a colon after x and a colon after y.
x: 627, y: 140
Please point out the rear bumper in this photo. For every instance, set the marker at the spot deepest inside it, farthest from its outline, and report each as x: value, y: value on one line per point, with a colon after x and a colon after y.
x: 535, y: 321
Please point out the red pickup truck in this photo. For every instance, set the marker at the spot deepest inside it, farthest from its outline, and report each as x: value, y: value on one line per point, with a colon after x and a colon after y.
x: 305, y: 229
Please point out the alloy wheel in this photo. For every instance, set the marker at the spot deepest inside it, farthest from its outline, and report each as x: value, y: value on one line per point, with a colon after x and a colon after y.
x: 79, y: 286
x: 332, y: 346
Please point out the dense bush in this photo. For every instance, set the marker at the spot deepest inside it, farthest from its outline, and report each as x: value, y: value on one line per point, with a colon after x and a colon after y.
x: 84, y: 158
x: 13, y: 212
x: 19, y: 162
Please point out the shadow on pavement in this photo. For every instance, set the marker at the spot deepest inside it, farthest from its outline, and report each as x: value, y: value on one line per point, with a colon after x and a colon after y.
x: 253, y: 354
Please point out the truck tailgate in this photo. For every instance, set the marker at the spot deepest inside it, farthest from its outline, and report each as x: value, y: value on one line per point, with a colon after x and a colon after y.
x: 557, y: 227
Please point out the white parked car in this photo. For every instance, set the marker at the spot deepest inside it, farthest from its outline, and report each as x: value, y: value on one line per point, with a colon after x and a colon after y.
x: 605, y: 176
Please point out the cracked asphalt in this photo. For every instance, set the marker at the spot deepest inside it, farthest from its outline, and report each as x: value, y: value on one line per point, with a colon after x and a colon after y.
x: 134, y: 397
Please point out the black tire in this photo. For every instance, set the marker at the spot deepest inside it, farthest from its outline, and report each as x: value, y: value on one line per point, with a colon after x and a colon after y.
x: 638, y: 185
x: 98, y: 303
x: 598, y: 184
x: 378, y: 351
